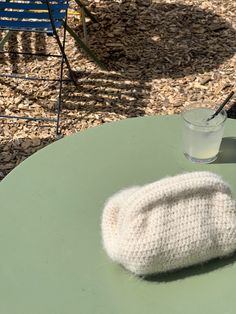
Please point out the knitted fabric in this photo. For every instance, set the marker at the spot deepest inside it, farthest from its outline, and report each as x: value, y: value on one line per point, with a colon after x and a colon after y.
x: 169, y: 224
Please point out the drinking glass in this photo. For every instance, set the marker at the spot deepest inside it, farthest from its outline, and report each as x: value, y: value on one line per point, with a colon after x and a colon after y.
x: 202, y: 138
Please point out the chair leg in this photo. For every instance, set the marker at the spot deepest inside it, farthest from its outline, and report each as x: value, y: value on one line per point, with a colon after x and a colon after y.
x: 84, y: 25
x: 86, y: 11
x: 63, y: 60
x: 60, y: 45
x: 88, y: 51
x: 59, y: 101
x: 5, y: 39
x: 81, y: 43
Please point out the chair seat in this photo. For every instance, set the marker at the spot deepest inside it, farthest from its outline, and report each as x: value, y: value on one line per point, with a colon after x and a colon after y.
x: 32, y: 15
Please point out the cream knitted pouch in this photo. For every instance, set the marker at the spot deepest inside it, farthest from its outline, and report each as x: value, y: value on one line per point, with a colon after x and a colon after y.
x: 169, y: 224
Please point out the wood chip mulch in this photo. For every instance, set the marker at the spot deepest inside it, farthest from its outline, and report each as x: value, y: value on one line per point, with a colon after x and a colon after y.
x: 161, y: 56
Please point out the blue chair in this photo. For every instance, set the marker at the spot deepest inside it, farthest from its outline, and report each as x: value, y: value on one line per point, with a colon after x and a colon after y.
x: 45, y: 16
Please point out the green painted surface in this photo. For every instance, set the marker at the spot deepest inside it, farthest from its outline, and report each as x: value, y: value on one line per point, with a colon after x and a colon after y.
x: 51, y: 257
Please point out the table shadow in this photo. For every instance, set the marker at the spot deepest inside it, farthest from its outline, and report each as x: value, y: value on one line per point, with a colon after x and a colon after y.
x: 227, y: 153
x: 197, y: 270
x: 150, y: 40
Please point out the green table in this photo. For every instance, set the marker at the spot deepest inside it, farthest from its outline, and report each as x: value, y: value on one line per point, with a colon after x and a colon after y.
x: 51, y: 256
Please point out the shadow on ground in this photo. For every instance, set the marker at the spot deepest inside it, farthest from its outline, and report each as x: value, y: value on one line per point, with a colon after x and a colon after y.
x: 148, y: 40
x: 141, y: 41
x: 25, y: 42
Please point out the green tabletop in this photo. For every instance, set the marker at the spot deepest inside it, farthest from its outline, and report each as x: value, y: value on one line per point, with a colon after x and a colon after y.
x: 51, y: 256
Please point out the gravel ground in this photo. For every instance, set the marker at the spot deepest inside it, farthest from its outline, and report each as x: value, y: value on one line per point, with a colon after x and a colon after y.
x: 161, y: 56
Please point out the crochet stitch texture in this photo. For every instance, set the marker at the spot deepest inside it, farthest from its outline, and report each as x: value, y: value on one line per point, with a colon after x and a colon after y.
x: 170, y: 224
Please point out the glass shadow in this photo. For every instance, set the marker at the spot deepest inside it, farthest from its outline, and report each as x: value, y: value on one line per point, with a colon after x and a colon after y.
x: 227, y: 153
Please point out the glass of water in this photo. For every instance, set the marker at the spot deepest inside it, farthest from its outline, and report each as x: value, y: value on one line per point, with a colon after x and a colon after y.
x: 202, y: 138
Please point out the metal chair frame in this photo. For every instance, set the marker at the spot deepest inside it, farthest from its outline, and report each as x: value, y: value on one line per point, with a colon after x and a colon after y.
x: 62, y: 55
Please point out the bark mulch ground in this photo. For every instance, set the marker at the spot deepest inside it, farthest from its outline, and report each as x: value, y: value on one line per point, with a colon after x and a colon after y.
x: 161, y: 56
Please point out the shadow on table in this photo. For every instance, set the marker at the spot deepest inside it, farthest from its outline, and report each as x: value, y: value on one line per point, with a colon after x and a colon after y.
x: 227, y: 153
x: 205, y: 268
